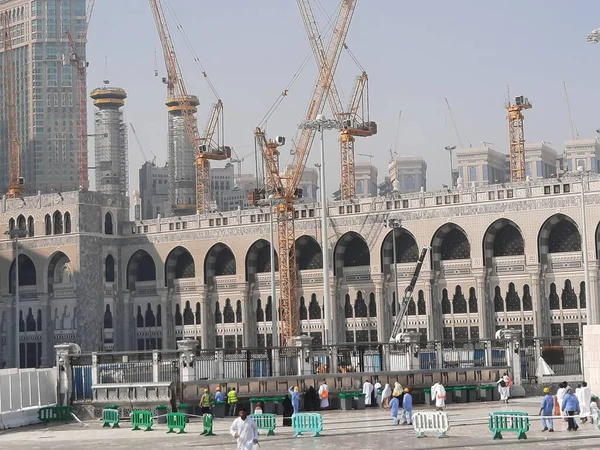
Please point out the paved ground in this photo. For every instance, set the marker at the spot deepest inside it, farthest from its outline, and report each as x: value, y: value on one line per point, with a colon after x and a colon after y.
x: 371, y: 429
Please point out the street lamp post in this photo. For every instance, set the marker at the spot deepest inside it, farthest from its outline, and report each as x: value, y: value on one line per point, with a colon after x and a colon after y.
x: 321, y: 124
x: 274, y: 317
x: 589, y: 309
x: 15, y: 235
x: 450, y: 149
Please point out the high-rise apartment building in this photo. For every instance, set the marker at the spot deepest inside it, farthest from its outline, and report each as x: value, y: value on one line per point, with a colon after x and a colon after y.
x: 46, y: 92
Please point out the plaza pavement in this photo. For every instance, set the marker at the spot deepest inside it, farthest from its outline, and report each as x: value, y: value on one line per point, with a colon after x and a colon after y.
x: 369, y: 429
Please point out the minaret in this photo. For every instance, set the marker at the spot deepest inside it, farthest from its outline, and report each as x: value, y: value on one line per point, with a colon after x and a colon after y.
x: 110, y: 140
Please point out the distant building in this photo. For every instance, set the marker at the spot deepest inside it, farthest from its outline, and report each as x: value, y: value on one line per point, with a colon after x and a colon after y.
x: 583, y: 152
x: 225, y: 193
x: 481, y: 165
x: 153, y: 191
x: 540, y: 160
x: 366, y: 180
x: 408, y: 174
x: 309, y: 182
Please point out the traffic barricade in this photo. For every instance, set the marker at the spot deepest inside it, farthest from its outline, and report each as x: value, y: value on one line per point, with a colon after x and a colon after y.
x: 311, y: 422
x: 265, y: 421
x: 431, y: 421
x: 176, y: 421
x: 499, y: 422
x: 207, y: 425
x: 110, y: 418
x: 141, y: 419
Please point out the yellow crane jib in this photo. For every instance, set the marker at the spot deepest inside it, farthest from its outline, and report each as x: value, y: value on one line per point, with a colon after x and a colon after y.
x: 516, y: 137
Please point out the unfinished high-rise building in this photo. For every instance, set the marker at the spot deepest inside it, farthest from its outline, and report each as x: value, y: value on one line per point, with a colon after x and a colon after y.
x: 110, y: 140
x: 182, y: 173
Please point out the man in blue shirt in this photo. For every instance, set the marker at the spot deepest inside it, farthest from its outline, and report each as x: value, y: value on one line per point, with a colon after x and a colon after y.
x: 407, y: 408
x: 546, y: 411
x: 570, y: 405
x: 394, y: 407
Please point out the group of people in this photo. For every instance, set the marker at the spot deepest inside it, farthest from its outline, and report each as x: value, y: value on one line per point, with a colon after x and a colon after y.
x: 568, y: 404
x: 207, y: 400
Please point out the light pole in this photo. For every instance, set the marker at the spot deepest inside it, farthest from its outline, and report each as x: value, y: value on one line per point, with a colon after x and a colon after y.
x: 16, y: 234
x: 274, y: 318
x: 394, y: 224
x: 589, y: 310
x: 321, y: 124
x: 450, y: 149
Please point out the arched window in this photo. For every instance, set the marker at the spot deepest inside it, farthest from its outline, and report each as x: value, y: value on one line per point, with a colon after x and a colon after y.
x: 139, y: 317
x: 472, y: 301
x: 31, y: 226
x: 513, y: 302
x: 109, y: 269
x: 178, y: 316
x: 67, y: 222
x: 11, y: 224
x: 228, y: 314
x: 269, y: 310
x: 218, y: 315
x: 58, y: 222
x: 149, y: 316
x: 22, y: 223
x: 372, y: 305
x: 158, y: 316
x: 188, y: 315
x: 39, y: 320
x: 459, y: 304
x: 314, y: 310
x: 348, y: 312
x: 498, y: 300
x: 238, y: 311
x: 360, y: 307
x: 527, y: 301
x: 412, y: 308
x: 260, y: 314
x: 446, y: 307
x: 47, y: 225
x: 30, y: 321
x: 582, y: 295
x: 303, y: 310
x: 108, y: 223
x: 108, y: 318
x: 568, y: 297
x: 553, y: 298
x: 198, y: 314
x: 422, y: 310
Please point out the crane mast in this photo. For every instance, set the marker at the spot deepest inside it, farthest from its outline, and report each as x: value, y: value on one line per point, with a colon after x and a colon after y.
x: 15, y: 182
x: 80, y: 65
x: 354, y: 120
x: 516, y: 137
x: 285, y: 193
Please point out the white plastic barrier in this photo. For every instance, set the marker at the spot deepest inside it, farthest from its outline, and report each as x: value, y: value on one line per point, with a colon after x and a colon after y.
x: 22, y: 393
x: 431, y: 421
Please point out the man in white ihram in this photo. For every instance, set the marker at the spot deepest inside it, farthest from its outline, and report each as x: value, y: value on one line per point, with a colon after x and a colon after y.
x: 368, y: 391
x: 438, y: 394
x: 245, y: 431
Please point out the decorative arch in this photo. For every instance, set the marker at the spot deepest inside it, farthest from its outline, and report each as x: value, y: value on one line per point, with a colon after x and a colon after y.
x: 309, y: 255
x: 140, y: 267
x: 30, y: 226
x: 502, y: 238
x: 360, y: 306
x: 59, y: 270
x: 57, y: 220
x: 108, y: 223
x: 513, y: 301
x: 27, y: 273
x: 449, y: 242
x: 179, y: 264
x: 219, y: 261
x: 22, y: 223
x: 407, y: 250
x: 67, y: 218
x: 47, y: 225
x: 558, y: 234
x: 11, y: 224
x: 314, y: 309
x: 109, y: 269
x: 459, y: 303
x: 258, y: 258
x: 351, y: 250
x: 446, y: 305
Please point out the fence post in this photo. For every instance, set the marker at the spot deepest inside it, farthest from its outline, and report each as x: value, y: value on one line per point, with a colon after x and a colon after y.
x: 155, y: 366
x: 275, y: 362
x: 95, y: 370
x: 187, y: 347
x: 219, y: 368
x: 439, y: 359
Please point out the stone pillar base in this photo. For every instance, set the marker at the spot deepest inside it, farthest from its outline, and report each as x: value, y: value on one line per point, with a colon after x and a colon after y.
x: 591, y: 356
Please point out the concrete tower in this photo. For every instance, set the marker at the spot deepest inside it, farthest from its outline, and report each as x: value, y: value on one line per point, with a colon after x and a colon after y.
x: 111, y: 140
x: 182, y: 173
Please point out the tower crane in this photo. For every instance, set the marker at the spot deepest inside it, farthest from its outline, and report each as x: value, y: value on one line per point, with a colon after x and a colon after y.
x: 205, y: 147
x: 284, y: 187
x: 77, y: 61
x: 516, y: 137
x: 137, y: 139
x: 15, y: 181
x: 354, y: 120
x: 239, y: 160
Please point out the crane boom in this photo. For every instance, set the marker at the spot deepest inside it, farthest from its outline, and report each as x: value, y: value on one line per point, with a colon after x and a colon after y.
x: 407, y: 298
x: 10, y: 104
x: 516, y: 137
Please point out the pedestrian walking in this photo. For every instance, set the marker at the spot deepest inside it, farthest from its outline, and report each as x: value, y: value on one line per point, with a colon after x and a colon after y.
x: 407, y: 407
x: 295, y: 395
x: 232, y: 401
x: 395, y: 407
x: 438, y: 394
x: 547, y: 410
x: 504, y: 388
x: 570, y: 406
x: 324, y: 395
x: 244, y: 429
x: 205, y: 402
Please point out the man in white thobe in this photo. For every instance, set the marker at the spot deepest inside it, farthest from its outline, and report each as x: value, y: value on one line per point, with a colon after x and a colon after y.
x: 438, y: 394
x: 245, y: 431
x: 324, y: 395
x: 368, y: 391
x: 585, y: 399
x: 560, y: 395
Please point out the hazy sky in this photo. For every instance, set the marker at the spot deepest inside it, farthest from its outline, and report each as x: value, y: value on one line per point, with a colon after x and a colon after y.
x: 415, y: 52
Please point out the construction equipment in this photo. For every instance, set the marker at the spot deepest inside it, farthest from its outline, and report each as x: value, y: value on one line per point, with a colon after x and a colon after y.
x: 354, y: 120
x: 15, y: 181
x: 367, y: 156
x: 77, y: 61
x: 399, y: 325
x: 516, y: 137
x: 137, y: 139
x: 204, y: 147
x: 284, y: 194
x: 454, y: 123
x: 239, y: 160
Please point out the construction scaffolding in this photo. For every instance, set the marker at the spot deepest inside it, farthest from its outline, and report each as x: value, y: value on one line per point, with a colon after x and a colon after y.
x: 110, y: 131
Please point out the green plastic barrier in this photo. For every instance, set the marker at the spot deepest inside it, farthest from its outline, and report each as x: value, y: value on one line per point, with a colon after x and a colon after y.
x: 311, y: 422
x: 55, y: 414
x: 176, y: 421
x: 207, y: 425
x: 110, y: 418
x: 141, y: 418
x: 508, y: 421
x: 265, y: 421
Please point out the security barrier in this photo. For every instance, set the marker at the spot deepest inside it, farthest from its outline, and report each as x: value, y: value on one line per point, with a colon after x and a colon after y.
x: 141, y: 418
x: 207, y: 425
x: 431, y: 421
x: 508, y: 421
x: 265, y: 421
x: 311, y: 422
x: 110, y: 418
x: 176, y: 421
x: 55, y: 414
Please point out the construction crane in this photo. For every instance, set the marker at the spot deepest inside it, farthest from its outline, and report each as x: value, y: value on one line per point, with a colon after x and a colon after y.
x: 399, y: 326
x: 137, y: 139
x: 516, y: 137
x: 284, y: 193
x: 77, y: 61
x: 15, y: 181
x: 354, y: 120
x: 239, y: 160
x: 367, y: 156
x: 205, y: 147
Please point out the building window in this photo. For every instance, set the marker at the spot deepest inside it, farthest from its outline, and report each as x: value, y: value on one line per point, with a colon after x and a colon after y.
x: 566, y: 188
x: 438, y: 200
x: 349, y: 209
x: 491, y: 195
x: 456, y: 198
x: 341, y: 209
x: 485, y: 173
x: 211, y: 222
x: 509, y: 193
x: 557, y: 188
x: 500, y: 195
x: 356, y: 208
x: 472, y: 173
x: 388, y: 205
x: 546, y: 190
x: 405, y: 203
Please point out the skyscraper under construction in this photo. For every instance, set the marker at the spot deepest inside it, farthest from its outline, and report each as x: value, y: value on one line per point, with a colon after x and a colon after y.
x: 46, y: 92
